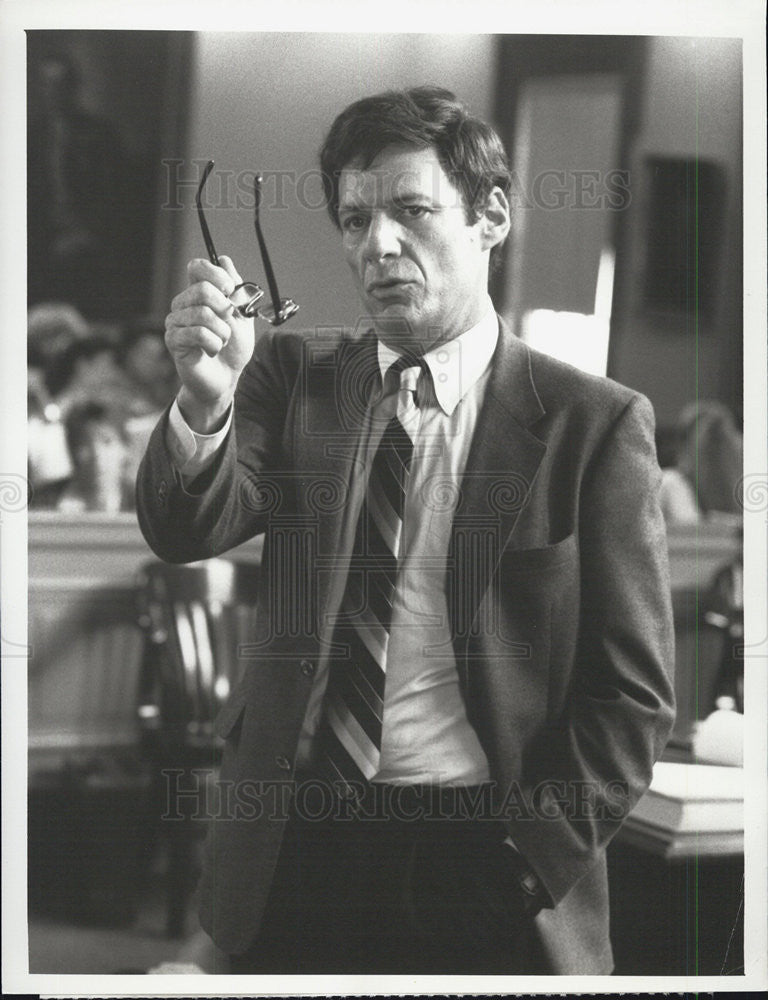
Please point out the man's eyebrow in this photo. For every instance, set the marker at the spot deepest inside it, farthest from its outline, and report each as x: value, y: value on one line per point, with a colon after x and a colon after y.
x: 351, y: 203
x: 399, y: 197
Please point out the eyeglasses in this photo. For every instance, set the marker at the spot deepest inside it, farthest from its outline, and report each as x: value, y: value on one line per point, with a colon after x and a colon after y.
x: 251, y: 293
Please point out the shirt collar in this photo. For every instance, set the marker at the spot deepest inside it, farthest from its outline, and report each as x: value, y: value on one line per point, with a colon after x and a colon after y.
x: 457, y: 364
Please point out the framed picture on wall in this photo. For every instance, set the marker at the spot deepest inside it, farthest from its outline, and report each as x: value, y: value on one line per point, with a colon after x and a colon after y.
x: 104, y: 108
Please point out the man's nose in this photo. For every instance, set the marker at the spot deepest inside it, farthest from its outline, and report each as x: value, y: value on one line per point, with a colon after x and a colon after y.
x: 382, y: 238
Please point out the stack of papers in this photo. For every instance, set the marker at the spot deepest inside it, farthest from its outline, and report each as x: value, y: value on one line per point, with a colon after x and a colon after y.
x: 690, y: 809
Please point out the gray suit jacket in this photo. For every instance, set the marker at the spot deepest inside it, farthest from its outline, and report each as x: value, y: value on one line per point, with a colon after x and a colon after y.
x: 558, y: 593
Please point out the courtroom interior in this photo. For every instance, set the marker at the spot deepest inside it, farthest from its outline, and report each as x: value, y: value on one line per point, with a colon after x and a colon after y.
x: 625, y: 259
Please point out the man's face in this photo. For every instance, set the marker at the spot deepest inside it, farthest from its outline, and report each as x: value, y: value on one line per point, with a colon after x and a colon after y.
x: 421, y: 270
x: 100, y: 451
x: 96, y: 369
x: 148, y: 360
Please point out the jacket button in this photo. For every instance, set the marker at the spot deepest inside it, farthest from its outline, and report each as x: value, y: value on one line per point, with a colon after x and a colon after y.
x: 307, y: 668
x: 283, y: 763
x: 162, y: 490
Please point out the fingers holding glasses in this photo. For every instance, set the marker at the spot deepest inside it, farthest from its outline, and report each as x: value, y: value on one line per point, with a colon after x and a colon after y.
x: 239, y: 297
x: 206, y: 301
x: 197, y: 319
x: 224, y: 275
x: 245, y: 295
x: 231, y: 271
x: 214, y: 283
x: 199, y: 314
x: 209, y: 340
x: 196, y: 326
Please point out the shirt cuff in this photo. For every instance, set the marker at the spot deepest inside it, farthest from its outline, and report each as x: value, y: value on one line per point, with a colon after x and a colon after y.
x: 527, y: 879
x: 192, y: 453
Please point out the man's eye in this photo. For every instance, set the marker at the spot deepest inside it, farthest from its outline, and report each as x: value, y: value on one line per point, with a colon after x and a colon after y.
x: 414, y: 211
x: 353, y: 223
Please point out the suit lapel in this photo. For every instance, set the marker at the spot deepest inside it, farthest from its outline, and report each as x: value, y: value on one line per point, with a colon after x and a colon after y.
x: 336, y: 381
x: 503, y: 462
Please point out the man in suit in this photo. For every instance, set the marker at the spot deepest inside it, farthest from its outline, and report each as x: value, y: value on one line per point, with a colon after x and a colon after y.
x: 460, y: 677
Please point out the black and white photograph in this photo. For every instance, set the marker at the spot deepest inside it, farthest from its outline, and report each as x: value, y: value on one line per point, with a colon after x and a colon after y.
x: 383, y: 530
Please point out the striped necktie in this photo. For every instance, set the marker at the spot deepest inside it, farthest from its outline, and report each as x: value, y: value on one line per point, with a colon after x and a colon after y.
x: 349, y: 737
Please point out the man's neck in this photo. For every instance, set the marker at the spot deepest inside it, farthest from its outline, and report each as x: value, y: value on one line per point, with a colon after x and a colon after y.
x: 399, y: 336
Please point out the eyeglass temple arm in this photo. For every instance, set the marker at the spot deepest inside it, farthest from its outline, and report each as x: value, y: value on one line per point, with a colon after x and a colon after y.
x: 212, y: 255
x: 273, y: 290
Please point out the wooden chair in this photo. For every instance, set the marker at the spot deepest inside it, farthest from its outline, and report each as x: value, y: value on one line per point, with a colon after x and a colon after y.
x: 708, y: 652
x: 723, y: 619
x: 195, y: 619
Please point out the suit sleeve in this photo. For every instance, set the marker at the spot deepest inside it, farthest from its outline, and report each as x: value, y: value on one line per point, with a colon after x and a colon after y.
x: 590, y: 767
x: 224, y: 506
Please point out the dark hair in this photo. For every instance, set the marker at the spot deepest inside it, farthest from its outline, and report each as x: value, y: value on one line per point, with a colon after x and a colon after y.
x: 136, y: 329
x: 90, y: 412
x: 710, y: 454
x: 469, y: 150
x: 60, y: 376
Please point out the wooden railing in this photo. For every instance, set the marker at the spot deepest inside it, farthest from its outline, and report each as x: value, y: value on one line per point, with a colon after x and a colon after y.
x: 85, y: 645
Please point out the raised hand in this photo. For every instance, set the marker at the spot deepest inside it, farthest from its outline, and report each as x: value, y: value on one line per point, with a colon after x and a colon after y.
x: 209, y: 342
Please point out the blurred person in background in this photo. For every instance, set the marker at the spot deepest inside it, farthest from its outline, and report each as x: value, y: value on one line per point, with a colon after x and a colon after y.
x: 88, y: 371
x: 48, y: 462
x: 149, y: 369
x: 151, y: 381
x: 72, y: 364
x: 703, y: 483
x: 52, y: 329
x: 97, y: 445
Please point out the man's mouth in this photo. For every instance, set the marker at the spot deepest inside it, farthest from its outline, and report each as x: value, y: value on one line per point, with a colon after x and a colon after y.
x: 387, y: 284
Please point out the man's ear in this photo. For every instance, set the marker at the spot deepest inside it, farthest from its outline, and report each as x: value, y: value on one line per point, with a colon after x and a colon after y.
x: 494, y: 220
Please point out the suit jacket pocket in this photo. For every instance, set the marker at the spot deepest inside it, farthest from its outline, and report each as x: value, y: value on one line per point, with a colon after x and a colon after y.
x: 540, y: 559
x: 537, y: 596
